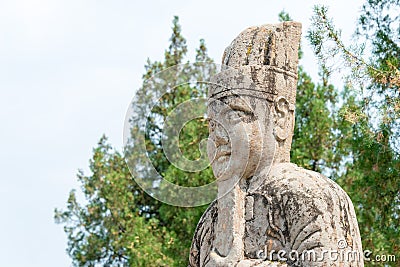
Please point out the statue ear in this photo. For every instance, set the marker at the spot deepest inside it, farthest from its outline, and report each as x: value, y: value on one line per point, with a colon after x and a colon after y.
x: 283, y: 117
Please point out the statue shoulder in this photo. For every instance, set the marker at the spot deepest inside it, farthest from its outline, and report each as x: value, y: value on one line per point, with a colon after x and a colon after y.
x: 289, y: 176
x: 306, y: 210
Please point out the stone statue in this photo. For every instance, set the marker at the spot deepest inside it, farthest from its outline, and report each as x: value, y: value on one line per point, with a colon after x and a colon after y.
x: 270, y: 211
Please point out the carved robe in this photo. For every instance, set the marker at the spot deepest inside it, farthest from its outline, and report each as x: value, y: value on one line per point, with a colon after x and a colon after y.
x: 301, y: 214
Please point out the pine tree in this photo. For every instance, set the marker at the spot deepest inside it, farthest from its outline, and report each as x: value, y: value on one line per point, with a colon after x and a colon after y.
x: 119, y: 224
x: 314, y: 141
x: 370, y: 118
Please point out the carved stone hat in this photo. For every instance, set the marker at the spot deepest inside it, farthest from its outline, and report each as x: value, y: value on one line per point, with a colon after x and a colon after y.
x: 261, y: 62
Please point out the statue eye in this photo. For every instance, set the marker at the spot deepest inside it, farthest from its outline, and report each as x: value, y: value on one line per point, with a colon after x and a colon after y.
x: 237, y: 115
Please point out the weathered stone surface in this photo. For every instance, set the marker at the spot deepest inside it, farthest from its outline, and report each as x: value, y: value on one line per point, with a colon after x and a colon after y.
x: 269, y: 212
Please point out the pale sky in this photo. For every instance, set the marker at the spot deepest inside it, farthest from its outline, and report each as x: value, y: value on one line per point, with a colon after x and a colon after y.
x: 68, y: 70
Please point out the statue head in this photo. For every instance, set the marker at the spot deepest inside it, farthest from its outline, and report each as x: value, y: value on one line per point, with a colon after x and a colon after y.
x: 254, y: 97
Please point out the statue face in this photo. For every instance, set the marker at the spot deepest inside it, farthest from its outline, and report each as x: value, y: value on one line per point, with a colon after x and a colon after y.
x: 237, y: 124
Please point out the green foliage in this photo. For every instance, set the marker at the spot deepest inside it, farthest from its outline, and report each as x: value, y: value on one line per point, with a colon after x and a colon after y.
x: 379, y: 23
x: 314, y: 139
x: 284, y: 16
x: 119, y: 224
x: 369, y: 119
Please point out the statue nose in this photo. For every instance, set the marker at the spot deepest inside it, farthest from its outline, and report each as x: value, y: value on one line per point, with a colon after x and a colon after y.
x: 221, y: 136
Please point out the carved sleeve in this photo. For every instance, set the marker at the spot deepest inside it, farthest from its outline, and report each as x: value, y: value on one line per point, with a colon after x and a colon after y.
x: 202, y: 243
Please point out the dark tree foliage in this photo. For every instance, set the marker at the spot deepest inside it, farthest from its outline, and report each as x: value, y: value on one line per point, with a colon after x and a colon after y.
x: 119, y: 224
x: 370, y: 127
x: 314, y: 142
